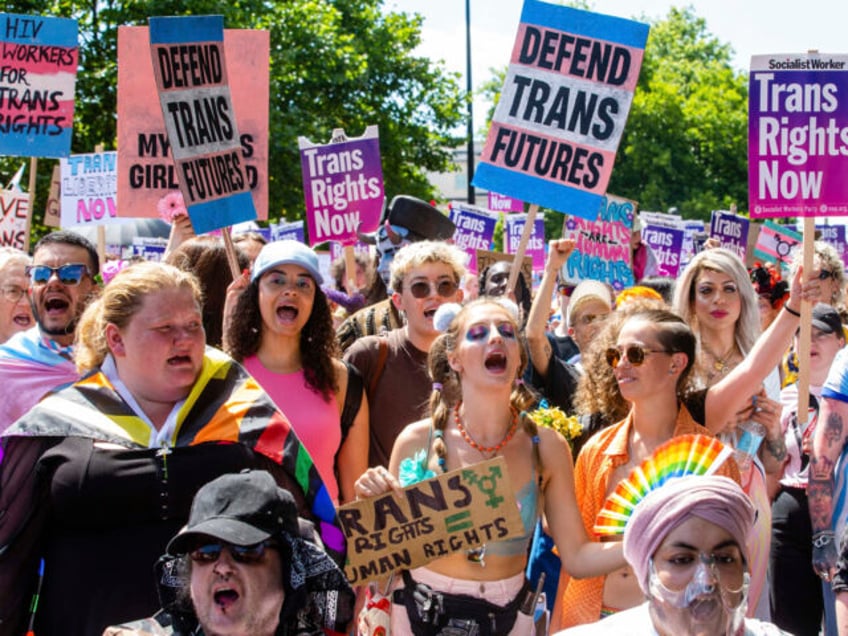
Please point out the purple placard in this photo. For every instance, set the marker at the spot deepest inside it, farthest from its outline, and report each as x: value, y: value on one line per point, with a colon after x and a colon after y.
x: 288, y: 230
x: 342, y: 186
x: 732, y: 231
x: 514, y: 228
x: 798, y: 135
x: 475, y: 229
x: 835, y: 235
x: 337, y: 250
x: 503, y: 203
x: 667, y: 244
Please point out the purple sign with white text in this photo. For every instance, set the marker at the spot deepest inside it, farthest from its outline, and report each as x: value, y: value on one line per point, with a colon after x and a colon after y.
x: 667, y: 243
x: 731, y: 230
x: 502, y: 203
x: 342, y: 186
x: 513, y: 229
x: 835, y: 235
x: 798, y: 135
x: 475, y: 229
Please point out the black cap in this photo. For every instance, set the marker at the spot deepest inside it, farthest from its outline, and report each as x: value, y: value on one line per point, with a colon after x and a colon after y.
x: 424, y: 222
x: 826, y: 318
x: 241, y: 509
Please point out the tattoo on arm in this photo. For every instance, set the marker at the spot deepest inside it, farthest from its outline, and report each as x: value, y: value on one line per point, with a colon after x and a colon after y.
x: 820, y: 498
x: 833, y: 430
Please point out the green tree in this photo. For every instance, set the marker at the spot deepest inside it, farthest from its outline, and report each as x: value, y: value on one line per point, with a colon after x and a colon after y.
x: 334, y: 64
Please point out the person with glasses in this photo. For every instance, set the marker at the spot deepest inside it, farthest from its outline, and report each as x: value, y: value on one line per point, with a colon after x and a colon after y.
x: 648, y: 363
x: 61, y: 284
x: 97, y: 477
x: 425, y: 275
x: 15, y: 312
x: 245, y: 563
x: 686, y: 545
x: 281, y: 331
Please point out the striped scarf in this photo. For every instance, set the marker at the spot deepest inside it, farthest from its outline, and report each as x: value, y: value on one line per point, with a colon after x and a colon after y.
x: 225, y: 405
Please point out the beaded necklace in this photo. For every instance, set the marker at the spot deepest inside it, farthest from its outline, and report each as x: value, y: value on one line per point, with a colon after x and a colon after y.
x: 485, y: 450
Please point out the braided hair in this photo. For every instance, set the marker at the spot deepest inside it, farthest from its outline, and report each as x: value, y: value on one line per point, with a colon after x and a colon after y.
x: 447, y: 385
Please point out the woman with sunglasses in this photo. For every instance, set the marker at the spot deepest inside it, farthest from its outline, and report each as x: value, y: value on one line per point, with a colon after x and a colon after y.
x: 649, y: 366
x: 477, y: 411
x: 281, y: 330
x: 100, y: 474
x: 424, y: 276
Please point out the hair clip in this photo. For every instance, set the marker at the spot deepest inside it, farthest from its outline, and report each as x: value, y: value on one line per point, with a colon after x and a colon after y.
x: 437, y: 386
x: 444, y: 316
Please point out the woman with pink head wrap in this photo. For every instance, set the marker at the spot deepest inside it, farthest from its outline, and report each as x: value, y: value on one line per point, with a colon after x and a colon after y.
x: 686, y: 544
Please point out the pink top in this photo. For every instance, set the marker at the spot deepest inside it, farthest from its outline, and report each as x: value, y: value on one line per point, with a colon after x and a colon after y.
x: 316, y: 422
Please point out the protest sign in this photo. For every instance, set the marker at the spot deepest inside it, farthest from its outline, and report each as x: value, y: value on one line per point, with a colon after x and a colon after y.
x: 667, y: 244
x: 777, y: 244
x: 342, y: 186
x: 14, y: 220
x: 288, y: 230
x: 694, y: 236
x: 835, y: 235
x: 502, y: 203
x: 602, y: 246
x: 52, y: 217
x: 475, y: 230
x: 189, y: 65
x: 38, y: 68
x: 146, y: 170
x: 514, y: 228
x: 731, y: 230
x: 89, y: 189
x: 563, y: 106
x: 458, y: 510
x: 798, y: 135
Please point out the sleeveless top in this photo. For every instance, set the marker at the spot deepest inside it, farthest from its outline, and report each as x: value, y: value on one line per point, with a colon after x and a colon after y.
x: 316, y: 422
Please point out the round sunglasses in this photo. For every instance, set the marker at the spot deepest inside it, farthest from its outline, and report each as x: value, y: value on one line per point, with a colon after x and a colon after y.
x: 634, y: 354
x: 423, y: 288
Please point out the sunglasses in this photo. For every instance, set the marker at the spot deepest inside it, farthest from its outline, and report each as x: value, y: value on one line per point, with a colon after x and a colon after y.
x: 444, y: 288
x: 635, y: 355
x: 70, y: 274
x: 479, y: 332
x: 249, y: 554
x: 824, y: 274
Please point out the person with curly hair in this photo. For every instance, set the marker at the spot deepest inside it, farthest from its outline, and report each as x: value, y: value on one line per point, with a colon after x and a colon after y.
x: 477, y: 411
x: 281, y: 330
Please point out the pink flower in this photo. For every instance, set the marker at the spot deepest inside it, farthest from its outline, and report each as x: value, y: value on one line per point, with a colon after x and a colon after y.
x: 171, y: 205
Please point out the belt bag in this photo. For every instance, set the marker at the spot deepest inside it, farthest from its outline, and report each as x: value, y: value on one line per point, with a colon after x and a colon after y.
x: 434, y: 613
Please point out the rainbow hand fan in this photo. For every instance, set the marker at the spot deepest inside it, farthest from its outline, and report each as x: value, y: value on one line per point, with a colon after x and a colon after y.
x: 684, y: 455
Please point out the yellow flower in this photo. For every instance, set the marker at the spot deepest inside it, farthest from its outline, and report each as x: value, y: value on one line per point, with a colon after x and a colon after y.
x: 553, y: 417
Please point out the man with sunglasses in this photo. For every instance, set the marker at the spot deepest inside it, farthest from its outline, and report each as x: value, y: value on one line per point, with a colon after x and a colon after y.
x: 61, y: 283
x: 246, y: 564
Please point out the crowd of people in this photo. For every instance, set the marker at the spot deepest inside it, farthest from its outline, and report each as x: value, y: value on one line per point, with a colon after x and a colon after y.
x: 175, y: 443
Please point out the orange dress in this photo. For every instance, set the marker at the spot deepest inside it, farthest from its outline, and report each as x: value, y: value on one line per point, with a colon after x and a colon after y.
x: 600, y: 456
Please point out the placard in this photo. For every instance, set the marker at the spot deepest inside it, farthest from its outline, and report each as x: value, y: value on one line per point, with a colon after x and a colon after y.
x: 513, y: 229
x: 458, y: 510
x: 475, y: 230
x: 731, y: 230
x: 563, y: 106
x: 777, y: 244
x: 502, y: 203
x: 38, y: 68
x: 14, y: 218
x: 798, y: 135
x: 667, y: 245
x: 89, y: 189
x: 292, y: 230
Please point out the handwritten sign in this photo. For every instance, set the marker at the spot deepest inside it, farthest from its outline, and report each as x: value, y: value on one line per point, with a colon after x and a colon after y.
x: 191, y: 76
x: 798, y: 135
x: 731, y: 230
x: 602, y: 246
x: 14, y: 217
x: 38, y: 69
x: 514, y: 227
x: 343, y: 186
x: 475, y: 230
x: 563, y: 107
x: 146, y: 170
x: 458, y: 510
x: 89, y: 189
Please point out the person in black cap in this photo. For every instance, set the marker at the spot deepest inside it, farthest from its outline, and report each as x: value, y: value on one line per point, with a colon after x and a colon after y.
x: 407, y: 220
x: 246, y: 564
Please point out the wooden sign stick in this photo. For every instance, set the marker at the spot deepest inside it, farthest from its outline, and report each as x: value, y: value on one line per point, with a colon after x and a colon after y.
x: 806, y: 325
x: 515, y: 270
x: 230, y: 248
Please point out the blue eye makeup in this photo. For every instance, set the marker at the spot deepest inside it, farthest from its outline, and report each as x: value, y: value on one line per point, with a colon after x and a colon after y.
x: 481, y: 331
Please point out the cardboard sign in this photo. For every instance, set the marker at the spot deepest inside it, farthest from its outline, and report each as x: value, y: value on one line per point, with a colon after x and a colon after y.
x: 777, y: 244
x: 563, y: 107
x: 89, y: 190
x: 14, y: 218
x: 667, y: 244
x: 190, y: 68
x: 731, y: 230
x: 52, y: 218
x: 602, y: 246
x: 459, y: 510
x: 475, y: 230
x: 146, y: 170
x: 487, y: 259
x: 513, y: 229
x: 798, y: 135
x: 502, y: 203
x: 38, y: 71
x: 342, y: 186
